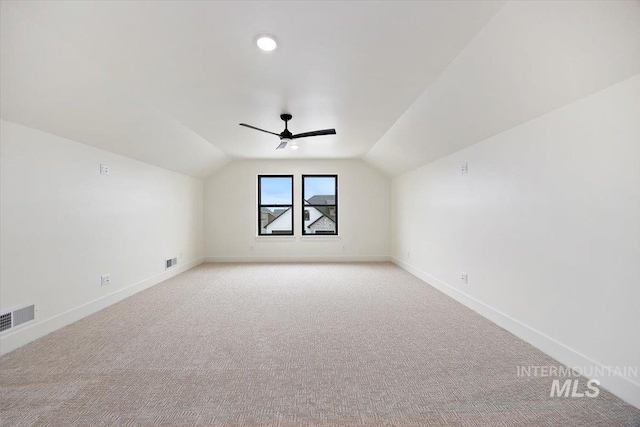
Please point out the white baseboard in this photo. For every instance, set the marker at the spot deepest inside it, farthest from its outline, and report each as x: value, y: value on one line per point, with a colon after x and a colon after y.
x: 24, y: 335
x: 259, y: 259
x: 622, y: 387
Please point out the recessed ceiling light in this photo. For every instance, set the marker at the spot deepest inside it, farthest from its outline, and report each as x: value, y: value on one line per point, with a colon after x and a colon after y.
x: 267, y: 43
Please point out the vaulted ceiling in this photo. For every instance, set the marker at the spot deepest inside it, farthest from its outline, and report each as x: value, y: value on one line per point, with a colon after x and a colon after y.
x: 404, y: 83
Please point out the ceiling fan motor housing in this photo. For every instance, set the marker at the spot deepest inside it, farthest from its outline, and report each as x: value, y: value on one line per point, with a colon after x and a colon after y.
x: 286, y: 134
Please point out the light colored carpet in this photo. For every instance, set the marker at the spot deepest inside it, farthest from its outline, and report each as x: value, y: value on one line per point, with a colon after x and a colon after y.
x: 288, y: 345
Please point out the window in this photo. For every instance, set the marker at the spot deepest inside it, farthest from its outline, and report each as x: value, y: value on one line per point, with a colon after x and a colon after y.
x: 275, y: 205
x: 320, y: 199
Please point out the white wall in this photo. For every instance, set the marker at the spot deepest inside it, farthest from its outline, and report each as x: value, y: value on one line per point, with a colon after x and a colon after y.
x: 547, y: 225
x: 364, y: 196
x: 63, y: 225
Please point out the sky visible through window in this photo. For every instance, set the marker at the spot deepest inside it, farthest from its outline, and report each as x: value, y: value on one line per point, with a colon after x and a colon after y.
x: 276, y: 191
x: 319, y: 186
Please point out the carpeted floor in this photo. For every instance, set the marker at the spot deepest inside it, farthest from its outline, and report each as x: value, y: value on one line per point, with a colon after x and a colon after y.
x: 289, y: 345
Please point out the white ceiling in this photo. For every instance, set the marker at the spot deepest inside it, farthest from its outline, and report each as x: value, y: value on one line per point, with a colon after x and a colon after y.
x: 404, y: 83
x: 168, y: 82
x: 532, y: 58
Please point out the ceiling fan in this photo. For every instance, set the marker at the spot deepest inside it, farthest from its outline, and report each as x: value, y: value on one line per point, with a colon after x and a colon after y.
x: 286, y: 136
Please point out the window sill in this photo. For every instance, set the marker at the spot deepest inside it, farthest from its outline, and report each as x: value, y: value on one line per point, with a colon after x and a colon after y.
x: 307, y: 238
x: 275, y: 238
x: 318, y: 238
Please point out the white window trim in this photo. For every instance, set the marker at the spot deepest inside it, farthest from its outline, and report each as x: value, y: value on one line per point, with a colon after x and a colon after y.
x: 319, y: 237
x: 275, y: 238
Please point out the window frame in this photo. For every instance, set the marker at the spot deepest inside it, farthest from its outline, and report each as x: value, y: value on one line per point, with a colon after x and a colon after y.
x: 335, y: 205
x: 260, y: 205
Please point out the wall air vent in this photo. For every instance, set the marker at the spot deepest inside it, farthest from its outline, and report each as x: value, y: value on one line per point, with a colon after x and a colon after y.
x: 5, y: 322
x: 24, y: 315
x: 18, y: 317
x: 171, y: 262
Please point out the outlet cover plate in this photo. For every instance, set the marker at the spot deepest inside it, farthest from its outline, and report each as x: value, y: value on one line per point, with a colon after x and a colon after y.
x: 105, y: 280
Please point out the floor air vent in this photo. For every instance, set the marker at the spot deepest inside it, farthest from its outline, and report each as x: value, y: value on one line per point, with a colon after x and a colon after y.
x: 18, y: 317
x: 171, y: 262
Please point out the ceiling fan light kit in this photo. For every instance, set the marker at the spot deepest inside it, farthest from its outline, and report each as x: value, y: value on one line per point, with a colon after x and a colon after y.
x: 287, y: 137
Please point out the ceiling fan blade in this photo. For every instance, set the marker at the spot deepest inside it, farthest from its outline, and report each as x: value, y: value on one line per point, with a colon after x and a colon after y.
x: 315, y: 133
x: 261, y: 130
x: 282, y: 145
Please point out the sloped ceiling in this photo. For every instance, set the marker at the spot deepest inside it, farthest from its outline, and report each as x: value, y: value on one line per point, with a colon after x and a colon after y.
x: 167, y: 82
x: 404, y: 83
x: 532, y: 58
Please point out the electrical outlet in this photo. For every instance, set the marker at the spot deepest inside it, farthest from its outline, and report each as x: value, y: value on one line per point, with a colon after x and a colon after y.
x: 344, y: 248
x: 104, y: 170
x: 408, y: 254
x: 464, y: 167
x: 464, y: 277
x: 105, y: 280
x: 251, y: 248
